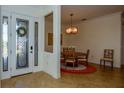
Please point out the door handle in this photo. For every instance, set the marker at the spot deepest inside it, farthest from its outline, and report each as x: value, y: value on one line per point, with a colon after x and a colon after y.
x: 31, y: 49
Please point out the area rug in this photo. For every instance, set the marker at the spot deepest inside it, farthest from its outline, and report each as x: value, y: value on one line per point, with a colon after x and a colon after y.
x: 80, y: 69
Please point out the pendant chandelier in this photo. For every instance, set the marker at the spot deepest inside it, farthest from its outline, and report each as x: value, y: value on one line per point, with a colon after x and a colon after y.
x: 72, y: 29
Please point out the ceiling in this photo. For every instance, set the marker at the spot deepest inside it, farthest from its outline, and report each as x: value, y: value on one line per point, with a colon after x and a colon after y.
x: 87, y: 11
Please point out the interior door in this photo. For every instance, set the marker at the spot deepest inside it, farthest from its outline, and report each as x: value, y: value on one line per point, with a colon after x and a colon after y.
x: 22, y: 45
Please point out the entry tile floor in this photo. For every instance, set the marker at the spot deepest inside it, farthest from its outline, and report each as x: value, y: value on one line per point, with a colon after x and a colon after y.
x: 100, y: 78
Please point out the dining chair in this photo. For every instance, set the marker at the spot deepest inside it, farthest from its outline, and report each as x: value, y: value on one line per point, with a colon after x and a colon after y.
x: 62, y: 57
x: 108, y: 57
x: 83, y: 58
x: 70, y: 56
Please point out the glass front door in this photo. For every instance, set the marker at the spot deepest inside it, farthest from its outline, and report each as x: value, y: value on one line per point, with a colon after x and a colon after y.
x: 19, y: 38
x: 22, y: 45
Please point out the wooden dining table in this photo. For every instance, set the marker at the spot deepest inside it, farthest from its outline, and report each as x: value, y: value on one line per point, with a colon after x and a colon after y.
x: 77, y: 54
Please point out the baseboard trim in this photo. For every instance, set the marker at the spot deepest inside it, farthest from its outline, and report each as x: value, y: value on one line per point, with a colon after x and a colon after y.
x: 106, y: 65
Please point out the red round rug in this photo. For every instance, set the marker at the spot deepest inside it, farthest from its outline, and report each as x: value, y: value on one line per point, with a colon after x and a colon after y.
x: 80, y: 69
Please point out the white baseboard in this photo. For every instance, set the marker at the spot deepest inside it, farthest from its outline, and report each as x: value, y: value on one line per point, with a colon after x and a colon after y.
x: 116, y: 66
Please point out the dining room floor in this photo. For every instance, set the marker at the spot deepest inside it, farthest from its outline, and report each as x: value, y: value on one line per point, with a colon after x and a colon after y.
x: 100, y: 78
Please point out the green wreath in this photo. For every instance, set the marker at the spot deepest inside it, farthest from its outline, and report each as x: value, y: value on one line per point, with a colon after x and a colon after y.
x: 21, y: 31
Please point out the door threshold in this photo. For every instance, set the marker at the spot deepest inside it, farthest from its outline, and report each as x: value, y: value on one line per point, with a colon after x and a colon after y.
x: 22, y: 75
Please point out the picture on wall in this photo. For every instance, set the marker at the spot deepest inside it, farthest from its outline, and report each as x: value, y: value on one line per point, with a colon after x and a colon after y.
x: 50, y: 39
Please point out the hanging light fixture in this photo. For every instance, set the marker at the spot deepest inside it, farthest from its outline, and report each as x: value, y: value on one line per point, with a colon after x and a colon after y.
x: 72, y: 29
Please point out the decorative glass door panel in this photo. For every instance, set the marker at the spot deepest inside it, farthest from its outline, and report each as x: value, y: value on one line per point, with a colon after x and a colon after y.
x: 22, y: 27
x: 5, y: 43
x: 21, y: 42
x: 36, y: 44
x: 5, y: 37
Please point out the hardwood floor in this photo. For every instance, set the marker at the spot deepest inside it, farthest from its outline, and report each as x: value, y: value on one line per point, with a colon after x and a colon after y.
x: 100, y: 78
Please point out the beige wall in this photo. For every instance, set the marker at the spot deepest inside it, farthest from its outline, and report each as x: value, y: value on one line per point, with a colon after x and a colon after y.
x: 122, y: 40
x: 97, y: 34
x: 0, y: 48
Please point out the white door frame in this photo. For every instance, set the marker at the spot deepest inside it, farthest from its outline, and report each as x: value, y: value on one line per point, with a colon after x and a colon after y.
x: 30, y: 43
x: 11, y: 35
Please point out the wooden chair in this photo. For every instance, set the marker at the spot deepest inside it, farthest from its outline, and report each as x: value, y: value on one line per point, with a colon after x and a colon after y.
x: 69, y: 55
x: 83, y: 57
x: 62, y: 57
x: 64, y: 53
x: 108, y: 57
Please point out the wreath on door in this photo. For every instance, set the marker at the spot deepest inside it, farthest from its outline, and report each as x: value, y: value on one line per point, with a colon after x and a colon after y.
x: 21, y: 31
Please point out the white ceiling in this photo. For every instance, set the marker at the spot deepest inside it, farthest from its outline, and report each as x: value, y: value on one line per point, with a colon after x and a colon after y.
x: 87, y: 11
